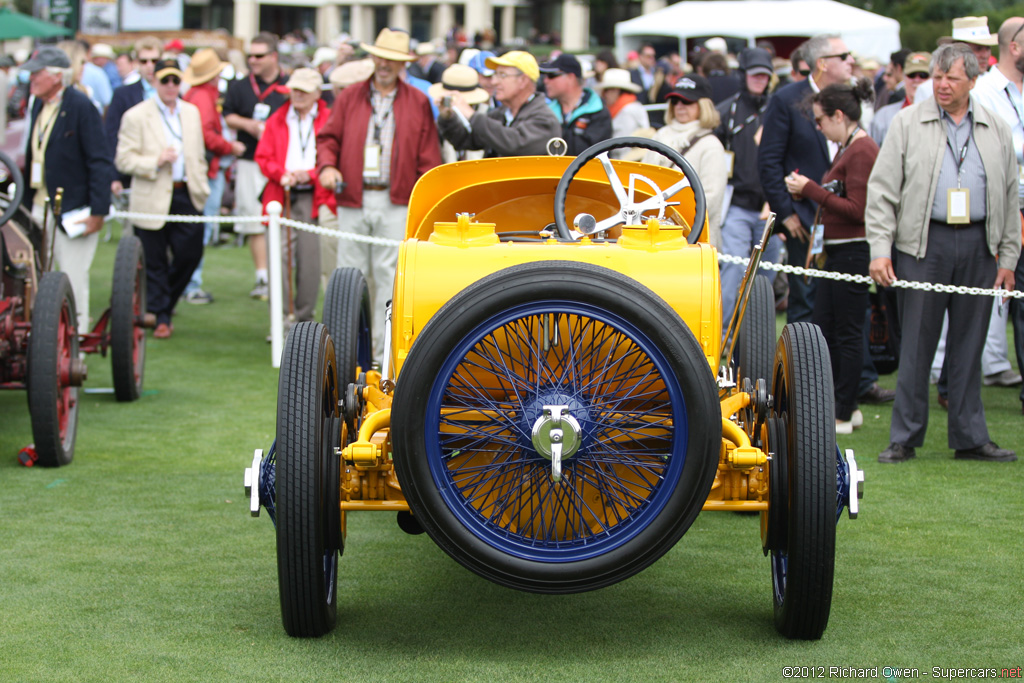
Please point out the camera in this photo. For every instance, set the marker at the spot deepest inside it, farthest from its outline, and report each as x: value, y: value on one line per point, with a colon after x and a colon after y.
x: 836, y: 187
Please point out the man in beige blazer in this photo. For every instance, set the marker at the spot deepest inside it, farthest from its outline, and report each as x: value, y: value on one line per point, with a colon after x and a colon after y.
x: 160, y: 144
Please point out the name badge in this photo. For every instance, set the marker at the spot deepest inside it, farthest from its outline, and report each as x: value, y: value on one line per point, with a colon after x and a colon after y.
x: 817, y: 239
x: 958, y: 205
x: 37, y: 174
x: 371, y: 160
x: 730, y: 163
x: 261, y: 111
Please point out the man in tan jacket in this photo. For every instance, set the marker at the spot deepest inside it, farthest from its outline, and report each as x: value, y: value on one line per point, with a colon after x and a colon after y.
x: 160, y: 144
x: 943, y: 192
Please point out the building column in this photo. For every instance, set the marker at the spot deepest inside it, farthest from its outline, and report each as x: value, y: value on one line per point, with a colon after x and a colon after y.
x: 400, y: 17
x: 508, y: 25
x: 575, y: 25
x: 479, y: 15
x: 444, y: 17
x: 648, y: 6
x: 328, y: 23
x: 246, y: 19
x: 361, y: 18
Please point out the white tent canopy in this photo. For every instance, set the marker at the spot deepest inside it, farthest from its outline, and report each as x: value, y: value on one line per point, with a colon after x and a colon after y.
x: 866, y: 33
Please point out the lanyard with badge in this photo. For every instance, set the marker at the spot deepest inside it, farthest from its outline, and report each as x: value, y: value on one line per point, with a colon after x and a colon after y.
x: 42, y: 129
x: 958, y: 201
x: 732, y: 131
x: 817, y: 247
x: 372, y: 153
x: 261, y: 111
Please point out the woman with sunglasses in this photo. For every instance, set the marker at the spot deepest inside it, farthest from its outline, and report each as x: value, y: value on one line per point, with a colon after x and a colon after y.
x: 839, y: 306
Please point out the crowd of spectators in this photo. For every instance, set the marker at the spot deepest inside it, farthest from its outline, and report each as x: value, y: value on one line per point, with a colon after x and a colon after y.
x: 345, y: 131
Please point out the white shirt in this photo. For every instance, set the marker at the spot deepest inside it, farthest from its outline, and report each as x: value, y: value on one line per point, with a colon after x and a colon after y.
x: 833, y: 147
x: 174, y: 134
x: 1000, y: 95
x: 301, y: 141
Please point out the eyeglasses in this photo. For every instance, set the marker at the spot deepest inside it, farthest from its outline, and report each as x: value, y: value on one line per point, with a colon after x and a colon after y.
x: 502, y: 75
x: 1017, y: 33
x: 918, y: 76
x: 154, y: 60
x: 553, y: 76
x: 843, y: 56
x: 170, y: 79
x: 254, y: 55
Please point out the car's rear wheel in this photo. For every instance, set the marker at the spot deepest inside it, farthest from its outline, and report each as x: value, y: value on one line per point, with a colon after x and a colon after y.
x: 347, y: 319
x: 756, y: 343
x: 127, y: 308
x: 545, y: 353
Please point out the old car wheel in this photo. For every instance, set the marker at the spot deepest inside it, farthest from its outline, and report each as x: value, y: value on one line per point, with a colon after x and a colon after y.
x: 54, y: 371
x: 629, y: 211
x: 127, y: 307
x: 803, y: 565
x: 756, y: 343
x: 474, y: 427
x: 12, y: 188
x: 307, y: 483
x: 347, y: 318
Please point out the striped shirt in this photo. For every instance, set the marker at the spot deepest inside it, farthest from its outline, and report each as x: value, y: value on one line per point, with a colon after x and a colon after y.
x: 381, y: 131
x: 971, y: 175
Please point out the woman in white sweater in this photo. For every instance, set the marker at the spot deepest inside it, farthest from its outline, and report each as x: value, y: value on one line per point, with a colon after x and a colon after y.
x: 690, y: 122
x: 628, y: 116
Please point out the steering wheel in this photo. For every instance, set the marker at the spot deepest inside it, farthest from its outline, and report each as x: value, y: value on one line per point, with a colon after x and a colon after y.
x: 12, y: 189
x: 629, y: 209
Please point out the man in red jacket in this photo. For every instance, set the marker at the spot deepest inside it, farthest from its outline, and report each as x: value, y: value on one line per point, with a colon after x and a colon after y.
x: 203, y: 74
x: 286, y: 155
x: 379, y: 140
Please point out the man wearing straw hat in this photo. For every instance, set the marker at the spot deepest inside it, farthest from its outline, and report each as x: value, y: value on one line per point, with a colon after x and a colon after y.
x: 619, y: 93
x: 973, y: 31
x: 161, y: 147
x: 461, y: 80
x: 380, y: 138
x: 203, y: 74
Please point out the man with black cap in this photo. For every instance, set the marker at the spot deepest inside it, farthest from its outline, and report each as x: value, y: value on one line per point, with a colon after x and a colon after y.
x: 584, y: 118
x: 742, y: 223
x: 160, y: 146
x: 77, y: 161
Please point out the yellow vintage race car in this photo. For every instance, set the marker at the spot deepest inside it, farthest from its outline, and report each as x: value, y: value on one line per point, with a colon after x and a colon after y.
x: 556, y: 403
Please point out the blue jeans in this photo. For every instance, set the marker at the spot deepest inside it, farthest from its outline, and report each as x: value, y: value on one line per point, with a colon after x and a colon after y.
x: 211, y: 208
x: 801, y: 292
x: 741, y: 230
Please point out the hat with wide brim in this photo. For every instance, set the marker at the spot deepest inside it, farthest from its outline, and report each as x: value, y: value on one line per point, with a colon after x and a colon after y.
x: 390, y: 45
x: 617, y: 78
x: 972, y: 30
x: 205, y: 66
x: 103, y: 50
x: 351, y: 72
x: 461, y: 79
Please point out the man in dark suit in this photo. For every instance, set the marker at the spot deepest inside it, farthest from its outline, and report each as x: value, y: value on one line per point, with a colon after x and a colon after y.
x: 791, y: 142
x: 66, y: 149
x: 643, y: 75
x: 145, y: 55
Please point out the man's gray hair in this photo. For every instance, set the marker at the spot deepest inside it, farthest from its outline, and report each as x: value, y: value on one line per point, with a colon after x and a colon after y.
x: 946, y: 56
x: 818, y: 47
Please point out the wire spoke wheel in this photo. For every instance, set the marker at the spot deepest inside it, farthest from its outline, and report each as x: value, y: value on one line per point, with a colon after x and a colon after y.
x: 127, y: 308
x: 803, y: 561
x: 599, y: 366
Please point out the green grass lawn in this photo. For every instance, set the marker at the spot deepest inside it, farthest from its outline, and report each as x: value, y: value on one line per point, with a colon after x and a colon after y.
x: 139, y: 561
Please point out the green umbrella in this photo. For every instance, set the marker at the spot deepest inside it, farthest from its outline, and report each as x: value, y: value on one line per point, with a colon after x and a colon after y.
x: 14, y: 25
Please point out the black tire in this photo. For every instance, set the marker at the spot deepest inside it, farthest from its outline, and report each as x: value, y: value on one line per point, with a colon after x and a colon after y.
x: 12, y: 187
x: 52, y: 352
x: 632, y: 419
x: 347, y: 319
x: 803, y: 568
x: 756, y: 343
x: 308, y: 478
x: 127, y: 307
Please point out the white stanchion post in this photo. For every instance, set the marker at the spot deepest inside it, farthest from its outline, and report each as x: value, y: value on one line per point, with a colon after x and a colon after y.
x: 274, y: 266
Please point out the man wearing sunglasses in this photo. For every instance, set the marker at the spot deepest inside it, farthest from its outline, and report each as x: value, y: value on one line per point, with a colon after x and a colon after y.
x: 584, y: 118
x: 248, y: 104
x: 915, y: 72
x: 161, y: 147
x: 144, y: 58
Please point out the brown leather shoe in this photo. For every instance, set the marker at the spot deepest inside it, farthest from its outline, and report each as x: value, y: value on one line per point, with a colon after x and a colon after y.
x: 876, y: 395
x: 896, y: 452
x: 163, y: 331
x: 943, y: 402
x: 990, y: 452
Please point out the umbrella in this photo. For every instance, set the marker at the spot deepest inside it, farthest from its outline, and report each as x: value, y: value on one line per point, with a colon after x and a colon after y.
x: 14, y: 25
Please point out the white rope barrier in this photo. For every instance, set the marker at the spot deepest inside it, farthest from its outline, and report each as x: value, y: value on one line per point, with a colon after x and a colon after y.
x: 274, y: 222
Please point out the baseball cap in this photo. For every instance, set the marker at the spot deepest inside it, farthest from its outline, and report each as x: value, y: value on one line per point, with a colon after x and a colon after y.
x: 46, y: 56
x: 562, y: 64
x: 756, y: 60
x: 479, y: 63
x: 691, y: 88
x: 306, y: 80
x: 918, y: 63
x: 517, y: 59
x: 167, y: 67
x: 175, y: 44
x: 103, y: 50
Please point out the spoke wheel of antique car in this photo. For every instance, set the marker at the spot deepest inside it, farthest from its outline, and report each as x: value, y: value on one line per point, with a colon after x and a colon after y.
x: 803, y: 567
x: 545, y: 355
x: 756, y: 343
x: 308, y: 516
x: 347, y: 318
x: 630, y: 211
x: 54, y: 371
x: 127, y: 308
x: 12, y: 189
